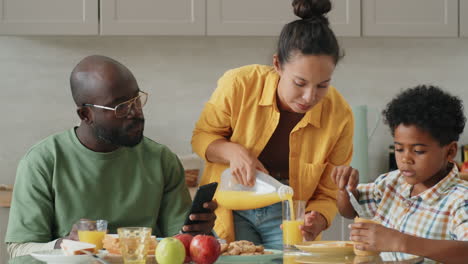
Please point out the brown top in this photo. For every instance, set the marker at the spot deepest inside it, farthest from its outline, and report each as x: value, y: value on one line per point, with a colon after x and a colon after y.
x: 275, y: 155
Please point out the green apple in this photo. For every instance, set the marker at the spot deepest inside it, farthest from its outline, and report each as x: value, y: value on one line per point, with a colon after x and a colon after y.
x: 170, y: 251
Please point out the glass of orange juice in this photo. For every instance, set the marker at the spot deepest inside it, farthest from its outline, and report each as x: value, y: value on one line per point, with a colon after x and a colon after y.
x: 92, y: 231
x: 293, y: 218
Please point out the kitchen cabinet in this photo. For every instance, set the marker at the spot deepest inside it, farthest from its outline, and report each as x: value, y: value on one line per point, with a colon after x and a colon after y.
x: 49, y: 17
x: 463, y: 18
x: 396, y: 18
x: 345, y: 18
x: 153, y: 17
x: 410, y: 18
x: 267, y: 17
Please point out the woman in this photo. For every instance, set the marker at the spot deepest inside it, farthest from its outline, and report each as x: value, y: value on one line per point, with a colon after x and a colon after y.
x: 285, y: 120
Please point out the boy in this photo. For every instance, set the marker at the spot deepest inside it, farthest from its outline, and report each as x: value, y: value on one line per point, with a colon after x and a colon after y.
x: 422, y: 206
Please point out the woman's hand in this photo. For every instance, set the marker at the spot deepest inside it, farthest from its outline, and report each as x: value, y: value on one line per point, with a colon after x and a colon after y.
x: 314, y: 223
x: 244, y: 165
x: 376, y: 237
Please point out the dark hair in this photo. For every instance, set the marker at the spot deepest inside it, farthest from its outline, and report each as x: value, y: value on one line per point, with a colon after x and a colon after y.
x: 310, y: 35
x: 430, y: 109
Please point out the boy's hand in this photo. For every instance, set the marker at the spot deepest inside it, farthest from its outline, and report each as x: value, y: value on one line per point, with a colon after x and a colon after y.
x: 345, y: 176
x: 376, y: 237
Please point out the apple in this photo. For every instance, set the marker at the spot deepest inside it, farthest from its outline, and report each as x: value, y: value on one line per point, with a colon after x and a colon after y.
x: 170, y: 251
x: 185, y: 239
x: 204, y: 249
x: 464, y: 167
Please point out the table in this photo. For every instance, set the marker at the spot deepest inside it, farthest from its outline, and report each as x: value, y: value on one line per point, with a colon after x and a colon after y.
x: 287, y: 259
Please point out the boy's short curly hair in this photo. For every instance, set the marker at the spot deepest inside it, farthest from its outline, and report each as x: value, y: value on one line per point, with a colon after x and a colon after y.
x: 430, y: 109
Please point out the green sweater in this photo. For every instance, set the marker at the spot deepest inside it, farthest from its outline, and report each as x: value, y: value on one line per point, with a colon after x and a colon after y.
x: 60, y: 181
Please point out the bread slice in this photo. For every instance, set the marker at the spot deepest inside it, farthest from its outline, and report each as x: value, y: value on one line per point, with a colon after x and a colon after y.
x: 71, y: 247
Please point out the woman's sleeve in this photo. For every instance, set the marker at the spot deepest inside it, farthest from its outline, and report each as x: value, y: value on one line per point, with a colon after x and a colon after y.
x: 324, y: 197
x: 216, y: 119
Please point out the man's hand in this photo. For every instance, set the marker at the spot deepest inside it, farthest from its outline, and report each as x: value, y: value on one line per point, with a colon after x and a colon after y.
x: 208, y: 220
x: 376, y: 237
x: 314, y: 223
x: 73, y: 235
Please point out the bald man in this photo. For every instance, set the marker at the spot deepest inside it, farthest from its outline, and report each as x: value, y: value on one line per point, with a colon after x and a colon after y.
x: 103, y: 169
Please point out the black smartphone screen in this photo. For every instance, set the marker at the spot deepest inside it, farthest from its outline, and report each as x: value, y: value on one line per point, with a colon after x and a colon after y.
x: 204, y: 194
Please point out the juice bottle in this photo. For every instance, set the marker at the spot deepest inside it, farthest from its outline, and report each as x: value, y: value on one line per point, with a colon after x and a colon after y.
x: 266, y: 191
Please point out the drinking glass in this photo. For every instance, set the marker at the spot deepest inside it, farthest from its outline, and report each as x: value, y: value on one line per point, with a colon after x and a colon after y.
x: 293, y: 217
x: 92, y: 231
x: 134, y: 244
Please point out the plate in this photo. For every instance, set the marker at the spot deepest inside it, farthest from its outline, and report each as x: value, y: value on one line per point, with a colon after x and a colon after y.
x: 56, y: 256
x: 117, y: 259
x: 251, y: 259
x: 341, y: 248
x: 327, y: 259
x: 330, y: 259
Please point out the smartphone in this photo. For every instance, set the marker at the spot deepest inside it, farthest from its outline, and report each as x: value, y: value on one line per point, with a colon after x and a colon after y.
x: 204, y: 194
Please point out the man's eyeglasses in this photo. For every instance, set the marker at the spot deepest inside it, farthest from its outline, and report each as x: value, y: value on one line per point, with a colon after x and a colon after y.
x: 123, y: 109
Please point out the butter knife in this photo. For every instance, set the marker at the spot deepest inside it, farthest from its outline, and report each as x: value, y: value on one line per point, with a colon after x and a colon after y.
x: 98, y: 258
x: 354, y: 202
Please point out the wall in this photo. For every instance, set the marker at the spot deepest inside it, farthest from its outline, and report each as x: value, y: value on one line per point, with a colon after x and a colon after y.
x: 181, y: 72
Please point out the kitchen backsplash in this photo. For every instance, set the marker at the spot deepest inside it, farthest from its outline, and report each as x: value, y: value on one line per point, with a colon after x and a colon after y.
x: 181, y: 72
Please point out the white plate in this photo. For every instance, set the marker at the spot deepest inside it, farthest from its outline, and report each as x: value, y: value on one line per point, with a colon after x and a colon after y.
x: 251, y: 259
x: 56, y: 256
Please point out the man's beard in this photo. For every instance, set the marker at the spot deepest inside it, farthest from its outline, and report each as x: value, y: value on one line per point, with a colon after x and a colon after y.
x: 119, y: 136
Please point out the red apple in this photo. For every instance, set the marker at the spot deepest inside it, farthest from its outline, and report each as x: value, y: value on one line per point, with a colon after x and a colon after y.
x: 204, y: 249
x: 464, y: 167
x: 185, y: 239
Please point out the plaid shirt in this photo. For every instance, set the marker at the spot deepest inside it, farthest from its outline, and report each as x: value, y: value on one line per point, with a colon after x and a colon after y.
x: 441, y: 212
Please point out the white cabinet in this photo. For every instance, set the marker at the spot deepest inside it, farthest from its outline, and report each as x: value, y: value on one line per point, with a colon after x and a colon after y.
x: 345, y: 18
x: 463, y: 18
x: 248, y: 17
x: 410, y: 18
x: 398, y: 18
x: 153, y: 17
x: 267, y: 17
x: 49, y: 17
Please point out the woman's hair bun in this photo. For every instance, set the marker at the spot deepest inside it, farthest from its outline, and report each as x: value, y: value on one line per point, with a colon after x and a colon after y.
x: 306, y: 9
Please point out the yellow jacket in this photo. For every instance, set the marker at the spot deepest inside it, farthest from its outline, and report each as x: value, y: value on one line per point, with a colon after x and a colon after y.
x: 243, y: 109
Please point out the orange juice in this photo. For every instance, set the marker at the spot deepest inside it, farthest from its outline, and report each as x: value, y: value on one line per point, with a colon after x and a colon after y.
x: 245, y: 200
x: 289, y: 259
x: 93, y: 237
x: 292, y: 235
x: 291, y: 208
